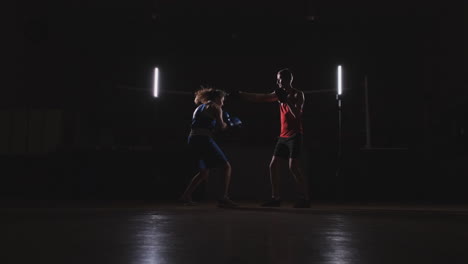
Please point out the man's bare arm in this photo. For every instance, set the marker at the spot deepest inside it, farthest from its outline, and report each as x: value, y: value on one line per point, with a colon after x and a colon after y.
x: 296, y: 105
x: 259, y: 97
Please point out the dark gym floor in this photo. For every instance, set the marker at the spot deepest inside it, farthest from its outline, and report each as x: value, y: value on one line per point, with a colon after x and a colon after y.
x: 142, y: 233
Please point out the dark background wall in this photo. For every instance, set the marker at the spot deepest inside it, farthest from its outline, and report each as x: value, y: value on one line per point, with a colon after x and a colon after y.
x: 78, y: 119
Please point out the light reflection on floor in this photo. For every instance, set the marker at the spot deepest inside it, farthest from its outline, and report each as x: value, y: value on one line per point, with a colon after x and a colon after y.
x: 212, y: 235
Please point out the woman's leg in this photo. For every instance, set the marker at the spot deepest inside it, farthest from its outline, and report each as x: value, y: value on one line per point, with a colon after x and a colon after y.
x: 227, y: 178
x: 226, y: 201
x: 196, y: 180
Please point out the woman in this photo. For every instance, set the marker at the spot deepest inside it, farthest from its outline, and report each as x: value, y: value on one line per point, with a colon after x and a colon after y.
x: 207, y: 117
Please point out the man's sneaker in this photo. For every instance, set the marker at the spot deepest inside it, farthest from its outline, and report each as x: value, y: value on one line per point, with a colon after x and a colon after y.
x: 226, y: 203
x: 272, y: 203
x: 302, y: 203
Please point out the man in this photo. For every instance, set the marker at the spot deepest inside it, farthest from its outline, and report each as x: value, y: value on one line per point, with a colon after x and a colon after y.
x: 289, y: 145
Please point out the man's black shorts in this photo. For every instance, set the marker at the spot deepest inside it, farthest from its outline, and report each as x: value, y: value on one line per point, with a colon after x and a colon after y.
x: 290, y: 147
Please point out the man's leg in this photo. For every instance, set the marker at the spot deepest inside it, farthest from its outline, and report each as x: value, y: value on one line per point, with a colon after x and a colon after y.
x: 275, y: 177
x: 275, y: 183
x: 301, y: 183
x: 295, y: 166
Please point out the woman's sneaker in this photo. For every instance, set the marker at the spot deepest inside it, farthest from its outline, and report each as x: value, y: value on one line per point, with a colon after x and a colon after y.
x: 272, y: 203
x: 187, y: 202
x: 226, y: 203
x: 302, y: 203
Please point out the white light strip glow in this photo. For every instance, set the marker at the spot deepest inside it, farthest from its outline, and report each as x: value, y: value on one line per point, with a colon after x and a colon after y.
x: 340, y: 88
x: 156, y: 82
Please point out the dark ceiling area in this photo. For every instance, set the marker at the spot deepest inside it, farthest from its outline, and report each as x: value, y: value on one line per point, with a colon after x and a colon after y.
x: 83, y: 45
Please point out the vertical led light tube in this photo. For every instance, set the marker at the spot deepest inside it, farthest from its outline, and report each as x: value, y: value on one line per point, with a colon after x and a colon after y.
x: 340, y: 83
x: 156, y: 82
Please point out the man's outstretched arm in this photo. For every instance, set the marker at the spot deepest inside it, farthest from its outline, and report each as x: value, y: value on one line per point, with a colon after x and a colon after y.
x: 258, y: 97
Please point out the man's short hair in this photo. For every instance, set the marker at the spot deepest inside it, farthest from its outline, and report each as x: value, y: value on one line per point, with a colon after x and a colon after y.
x: 286, y: 74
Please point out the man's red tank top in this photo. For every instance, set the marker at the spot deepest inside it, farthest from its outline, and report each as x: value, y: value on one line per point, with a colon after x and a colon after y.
x: 289, y: 124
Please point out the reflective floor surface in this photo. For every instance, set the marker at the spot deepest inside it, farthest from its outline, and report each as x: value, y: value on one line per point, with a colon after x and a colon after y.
x: 205, y: 234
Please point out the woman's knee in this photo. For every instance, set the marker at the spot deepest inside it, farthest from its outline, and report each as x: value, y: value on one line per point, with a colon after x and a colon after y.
x: 227, y: 165
x: 204, y: 173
